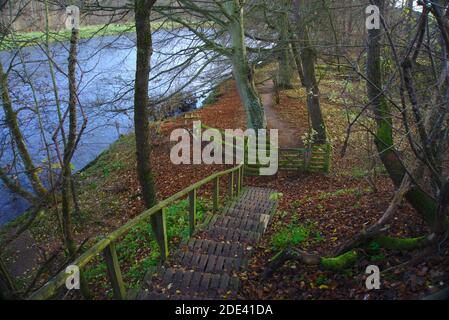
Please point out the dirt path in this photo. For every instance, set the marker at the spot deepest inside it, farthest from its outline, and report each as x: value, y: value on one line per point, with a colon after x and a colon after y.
x: 23, y: 255
x: 287, y: 133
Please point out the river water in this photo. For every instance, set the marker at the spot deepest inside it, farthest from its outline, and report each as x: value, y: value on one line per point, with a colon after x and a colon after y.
x: 106, y: 71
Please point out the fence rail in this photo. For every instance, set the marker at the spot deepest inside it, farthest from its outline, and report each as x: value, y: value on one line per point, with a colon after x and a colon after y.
x: 315, y: 158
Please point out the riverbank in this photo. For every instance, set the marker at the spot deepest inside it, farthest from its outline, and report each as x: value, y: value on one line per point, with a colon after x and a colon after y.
x: 25, y: 39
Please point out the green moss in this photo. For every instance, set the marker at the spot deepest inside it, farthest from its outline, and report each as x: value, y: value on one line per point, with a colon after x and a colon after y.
x: 341, y: 262
x: 138, y: 250
x: 289, y: 236
x: 384, y: 134
x: 393, y: 243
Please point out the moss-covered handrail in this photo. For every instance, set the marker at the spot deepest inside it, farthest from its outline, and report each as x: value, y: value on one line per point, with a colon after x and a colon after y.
x: 107, y: 245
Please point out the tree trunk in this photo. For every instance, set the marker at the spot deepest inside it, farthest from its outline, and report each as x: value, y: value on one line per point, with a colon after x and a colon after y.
x: 419, y: 199
x: 7, y: 285
x: 13, y: 126
x: 242, y: 70
x: 298, y: 60
x: 69, y: 149
x: 285, y: 59
x: 141, y: 102
x: 308, y: 56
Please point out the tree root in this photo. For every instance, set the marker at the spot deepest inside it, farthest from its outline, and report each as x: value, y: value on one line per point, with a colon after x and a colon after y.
x: 380, y: 225
x: 347, y: 259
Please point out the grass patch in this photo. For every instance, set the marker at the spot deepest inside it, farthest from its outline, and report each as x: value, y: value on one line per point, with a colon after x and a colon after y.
x: 294, y: 234
x: 24, y: 39
x: 138, y: 250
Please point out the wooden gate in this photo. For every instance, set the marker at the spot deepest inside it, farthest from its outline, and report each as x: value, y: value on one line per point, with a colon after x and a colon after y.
x: 292, y: 159
x: 313, y: 159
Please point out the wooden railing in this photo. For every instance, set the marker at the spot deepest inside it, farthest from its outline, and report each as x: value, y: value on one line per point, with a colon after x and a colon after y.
x: 156, y: 214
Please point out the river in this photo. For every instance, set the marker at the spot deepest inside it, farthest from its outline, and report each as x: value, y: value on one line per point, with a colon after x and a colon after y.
x: 106, y: 70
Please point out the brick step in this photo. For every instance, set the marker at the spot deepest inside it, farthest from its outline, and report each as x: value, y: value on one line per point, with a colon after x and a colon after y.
x: 254, y: 195
x: 259, y: 207
x: 243, y: 213
x: 229, y: 235
x: 217, y: 248
x: 189, y: 260
x: 176, y: 283
x: 206, y: 266
x: 242, y: 223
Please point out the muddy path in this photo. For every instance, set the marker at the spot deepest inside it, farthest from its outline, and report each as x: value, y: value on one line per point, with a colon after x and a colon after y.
x: 287, y: 133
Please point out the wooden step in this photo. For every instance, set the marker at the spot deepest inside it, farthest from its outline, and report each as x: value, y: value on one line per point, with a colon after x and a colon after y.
x: 242, y: 223
x: 243, y: 213
x: 205, y: 267
x: 189, y: 260
x: 171, y: 283
x: 217, y: 248
x: 263, y: 208
x: 230, y: 235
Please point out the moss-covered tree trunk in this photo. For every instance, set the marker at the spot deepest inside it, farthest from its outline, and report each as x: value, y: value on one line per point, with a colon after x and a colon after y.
x: 298, y: 60
x: 421, y: 201
x: 13, y: 125
x: 308, y: 57
x: 241, y: 68
x: 285, y: 58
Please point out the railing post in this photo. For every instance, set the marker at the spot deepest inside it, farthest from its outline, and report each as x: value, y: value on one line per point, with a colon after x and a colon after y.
x: 242, y: 173
x: 239, y: 177
x: 192, y: 211
x: 159, y: 227
x: 327, y: 158
x: 304, y: 159
x: 231, y: 184
x: 115, y: 275
x: 216, y: 196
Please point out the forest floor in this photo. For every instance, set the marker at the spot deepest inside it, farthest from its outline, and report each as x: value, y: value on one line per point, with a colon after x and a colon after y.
x: 317, y: 212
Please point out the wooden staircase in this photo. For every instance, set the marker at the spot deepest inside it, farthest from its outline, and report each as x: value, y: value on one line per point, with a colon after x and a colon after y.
x: 205, y: 267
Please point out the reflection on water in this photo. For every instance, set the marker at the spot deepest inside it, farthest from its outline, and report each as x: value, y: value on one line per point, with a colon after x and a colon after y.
x: 106, y: 70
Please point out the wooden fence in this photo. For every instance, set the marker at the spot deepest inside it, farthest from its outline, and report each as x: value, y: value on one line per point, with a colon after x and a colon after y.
x: 315, y: 158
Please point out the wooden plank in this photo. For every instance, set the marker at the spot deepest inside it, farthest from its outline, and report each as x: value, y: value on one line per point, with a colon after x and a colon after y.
x: 186, y: 280
x: 216, y: 194
x: 204, y: 286
x: 231, y: 184
x: 192, y: 211
x: 239, y: 173
x: 115, y: 275
x: 159, y: 227
x: 195, y: 283
x: 211, y: 263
